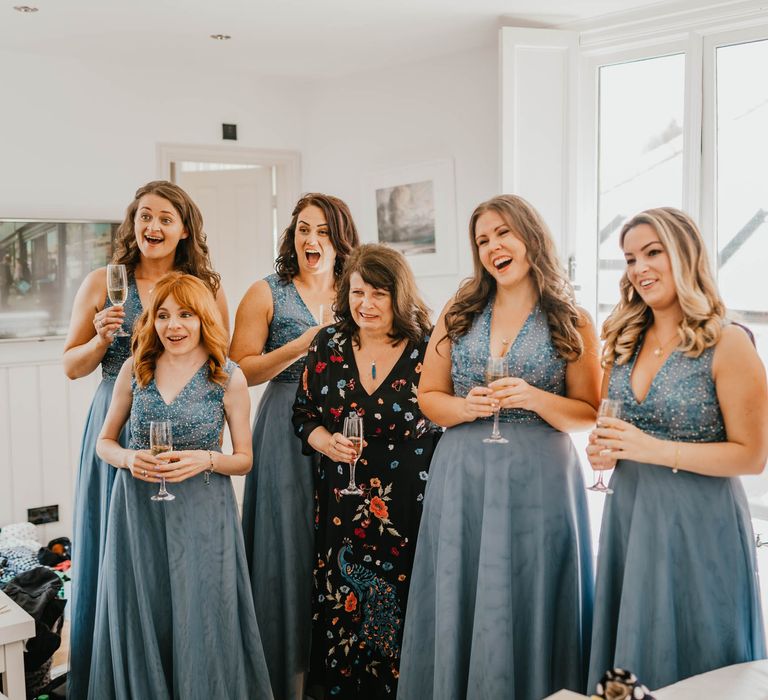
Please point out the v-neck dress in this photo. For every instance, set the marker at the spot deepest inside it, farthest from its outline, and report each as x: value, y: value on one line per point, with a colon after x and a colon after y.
x: 501, y: 594
x: 677, y: 586
x: 277, y: 510
x: 93, y: 491
x: 364, y: 545
x: 175, y: 616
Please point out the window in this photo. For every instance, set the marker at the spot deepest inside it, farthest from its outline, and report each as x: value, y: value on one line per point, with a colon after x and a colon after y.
x: 640, y: 162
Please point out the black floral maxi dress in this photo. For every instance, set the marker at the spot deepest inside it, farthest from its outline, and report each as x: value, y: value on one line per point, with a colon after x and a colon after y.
x: 365, y: 544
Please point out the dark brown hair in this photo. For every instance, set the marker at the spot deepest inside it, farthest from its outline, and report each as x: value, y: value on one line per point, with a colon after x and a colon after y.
x: 384, y: 268
x: 550, y: 281
x: 191, y: 293
x: 341, y: 227
x: 192, y: 256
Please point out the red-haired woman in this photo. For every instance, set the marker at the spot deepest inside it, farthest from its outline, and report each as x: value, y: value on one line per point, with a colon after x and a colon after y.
x: 175, y: 615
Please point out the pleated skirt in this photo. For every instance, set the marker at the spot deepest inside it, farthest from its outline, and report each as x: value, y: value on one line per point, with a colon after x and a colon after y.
x: 501, y: 596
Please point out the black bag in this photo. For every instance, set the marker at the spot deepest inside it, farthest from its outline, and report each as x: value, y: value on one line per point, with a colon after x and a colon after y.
x: 37, y: 592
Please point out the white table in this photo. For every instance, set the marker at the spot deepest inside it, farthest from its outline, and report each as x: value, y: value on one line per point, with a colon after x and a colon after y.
x: 16, y: 627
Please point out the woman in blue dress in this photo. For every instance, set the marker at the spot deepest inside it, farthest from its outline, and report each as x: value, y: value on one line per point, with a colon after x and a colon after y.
x: 175, y: 616
x: 162, y: 231
x: 501, y: 594
x: 677, y: 590
x: 275, y: 322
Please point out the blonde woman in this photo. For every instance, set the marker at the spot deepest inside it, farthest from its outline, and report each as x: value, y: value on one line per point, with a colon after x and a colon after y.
x: 677, y: 591
x: 501, y: 594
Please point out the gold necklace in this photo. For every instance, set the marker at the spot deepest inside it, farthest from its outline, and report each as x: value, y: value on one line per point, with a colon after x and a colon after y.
x: 659, y: 350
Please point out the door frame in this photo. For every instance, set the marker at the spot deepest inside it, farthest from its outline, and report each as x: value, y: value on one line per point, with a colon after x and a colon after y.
x: 287, y: 166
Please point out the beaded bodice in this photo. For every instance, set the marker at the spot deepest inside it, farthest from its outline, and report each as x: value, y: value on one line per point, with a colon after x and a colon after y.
x: 290, y: 318
x: 532, y: 357
x: 681, y: 403
x: 196, y: 413
x: 120, y: 348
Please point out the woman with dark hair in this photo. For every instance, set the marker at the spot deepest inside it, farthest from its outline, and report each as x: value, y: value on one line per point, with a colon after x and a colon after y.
x: 501, y: 598
x: 162, y: 231
x: 368, y: 364
x: 175, y: 615
x: 275, y: 322
x: 677, y: 590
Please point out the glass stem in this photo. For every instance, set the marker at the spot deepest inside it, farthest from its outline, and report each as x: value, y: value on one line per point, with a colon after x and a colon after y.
x: 163, y: 492
x: 496, y: 433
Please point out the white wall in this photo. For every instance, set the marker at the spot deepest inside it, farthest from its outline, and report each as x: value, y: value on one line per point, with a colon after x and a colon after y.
x: 76, y: 140
x: 443, y: 108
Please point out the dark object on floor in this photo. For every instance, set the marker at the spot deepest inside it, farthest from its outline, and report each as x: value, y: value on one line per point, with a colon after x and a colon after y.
x: 618, y: 684
x: 56, y: 552
x: 37, y: 592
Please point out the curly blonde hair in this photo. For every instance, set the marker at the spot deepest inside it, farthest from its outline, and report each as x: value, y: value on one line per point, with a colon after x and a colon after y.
x: 554, y: 289
x: 703, y: 308
x: 190, y: 293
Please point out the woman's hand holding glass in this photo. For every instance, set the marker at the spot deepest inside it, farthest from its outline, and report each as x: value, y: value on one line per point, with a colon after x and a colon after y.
x: 143, y: 465
x: 479, y: 403
x: 513, y: 392
x: 107, y: 321
x: 617, y: 439
x: 179, y: 465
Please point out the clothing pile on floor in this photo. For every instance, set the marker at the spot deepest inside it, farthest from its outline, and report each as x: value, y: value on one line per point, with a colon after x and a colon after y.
x: 33, y: 575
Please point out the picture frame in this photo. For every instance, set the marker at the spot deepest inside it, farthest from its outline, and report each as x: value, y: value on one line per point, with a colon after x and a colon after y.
x: 42, y: 263
x: 413, y: 209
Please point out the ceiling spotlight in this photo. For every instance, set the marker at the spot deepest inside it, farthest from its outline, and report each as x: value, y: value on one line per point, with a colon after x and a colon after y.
x: 221, y: 37
x: 25, y: 8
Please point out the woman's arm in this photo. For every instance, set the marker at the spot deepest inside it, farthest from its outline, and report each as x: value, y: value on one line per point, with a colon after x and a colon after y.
x: 141, y: 462
x: 180, y: 465
x: 436, y: 398
x: 251, y: 332
x: 91, y: 326
x: 578, y: 408
x: 221, y: 303
x: 741, y: 389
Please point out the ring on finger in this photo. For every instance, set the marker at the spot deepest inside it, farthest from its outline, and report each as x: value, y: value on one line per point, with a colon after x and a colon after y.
x: 144, y: 473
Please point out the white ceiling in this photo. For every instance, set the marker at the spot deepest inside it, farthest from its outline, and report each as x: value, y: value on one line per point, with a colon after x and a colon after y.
x: 300, y: 38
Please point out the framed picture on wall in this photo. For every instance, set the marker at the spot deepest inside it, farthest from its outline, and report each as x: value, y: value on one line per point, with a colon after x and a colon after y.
x: 42, y: 264
x: 413, y: 209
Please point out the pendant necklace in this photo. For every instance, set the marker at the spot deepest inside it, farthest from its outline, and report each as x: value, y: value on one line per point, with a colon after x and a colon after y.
x: 659, y: 349
x: 373, y: 369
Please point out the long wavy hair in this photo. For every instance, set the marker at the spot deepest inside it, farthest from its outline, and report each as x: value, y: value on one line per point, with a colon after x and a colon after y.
x: 555, y: 291
x: 703, y: 308
x: 341, y: 227
x: 384, y: 268
x: 190, y: 293
x: 192, y: 255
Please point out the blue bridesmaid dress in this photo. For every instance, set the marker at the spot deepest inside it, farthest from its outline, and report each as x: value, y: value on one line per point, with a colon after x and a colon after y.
x: 500, y: 603
x: 93, y: 489
x: 175, y: 616
x: 278, y: 508
x: 677, y: 589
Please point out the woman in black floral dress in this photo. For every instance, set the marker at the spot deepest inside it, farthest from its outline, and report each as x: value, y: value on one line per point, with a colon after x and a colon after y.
x: 368, y: 363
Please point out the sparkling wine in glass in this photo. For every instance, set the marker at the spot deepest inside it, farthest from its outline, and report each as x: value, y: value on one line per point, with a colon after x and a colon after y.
x: 160, y: 440
x: 611, y: 409
x: 117, y: 290
x: 496, y: 368
x: 353, y: 431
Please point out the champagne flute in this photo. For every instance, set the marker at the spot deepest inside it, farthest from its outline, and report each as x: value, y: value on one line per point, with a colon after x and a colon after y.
x: 496, y: 368
x: 612, y: 409
x: 353, y: 430
x: 117, y: 290
x: 160, y: 441
x: 320, y: 314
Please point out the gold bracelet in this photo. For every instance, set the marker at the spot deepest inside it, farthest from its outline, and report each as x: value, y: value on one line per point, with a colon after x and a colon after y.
x: 677, y: 459
x: 209, y: 471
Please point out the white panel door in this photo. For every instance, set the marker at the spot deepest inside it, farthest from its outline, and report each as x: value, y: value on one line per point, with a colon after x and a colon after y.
x: 237, y: 210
